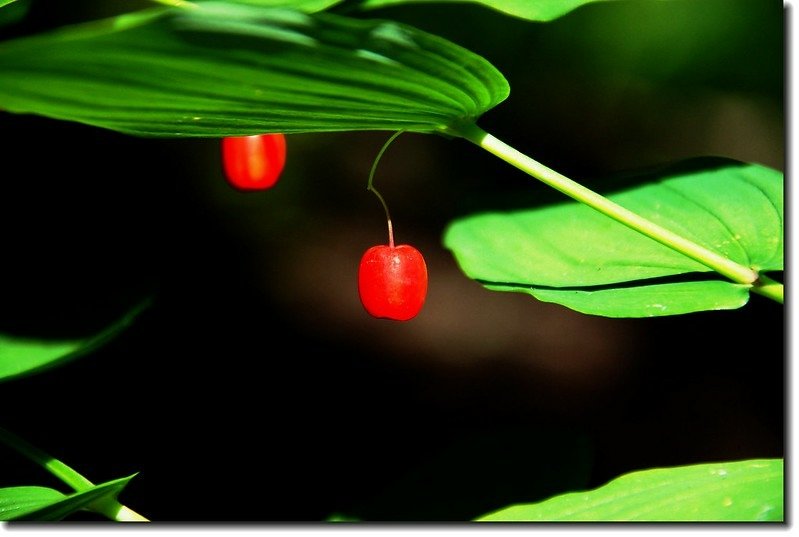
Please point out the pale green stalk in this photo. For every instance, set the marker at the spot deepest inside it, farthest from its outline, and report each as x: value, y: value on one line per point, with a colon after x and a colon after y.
x: 370, y: 186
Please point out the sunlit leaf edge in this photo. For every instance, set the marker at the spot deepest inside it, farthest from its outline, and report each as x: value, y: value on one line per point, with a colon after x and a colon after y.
x: 531, y: 10
x: 75, y: 348
x: 657, y: 300
x: 630, y: 497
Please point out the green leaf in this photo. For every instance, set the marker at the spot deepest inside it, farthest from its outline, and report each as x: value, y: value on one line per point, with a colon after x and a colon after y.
x: 645, y: 300
x: 226, y: 69
x: 572, y: 255
x: 21, y: 356
x: 33, y: 503
x: 6, y: 2
x: 18, y: 501
x: 534, y: 10
x: 742, y: 491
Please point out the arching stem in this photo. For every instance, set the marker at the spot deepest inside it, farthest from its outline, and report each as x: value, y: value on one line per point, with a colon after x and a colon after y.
x: 371, y: 187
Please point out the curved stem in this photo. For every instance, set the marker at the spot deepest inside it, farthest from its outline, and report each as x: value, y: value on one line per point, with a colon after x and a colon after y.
x: 732, y: 270
x: 371, y: 187
x: 388, y: 217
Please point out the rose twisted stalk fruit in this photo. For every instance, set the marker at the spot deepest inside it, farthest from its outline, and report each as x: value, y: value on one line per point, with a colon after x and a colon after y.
x: 392, y: 280
x: 255, y: 162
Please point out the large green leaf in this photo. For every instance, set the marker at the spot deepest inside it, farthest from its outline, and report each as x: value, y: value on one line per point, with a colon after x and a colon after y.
x: 25, y: 356
x: 225, y: 68
x: 742, y: 491
x: 534, y: 10
x: 6, y: 2
x: 38, y: 503
x: 572, y: 255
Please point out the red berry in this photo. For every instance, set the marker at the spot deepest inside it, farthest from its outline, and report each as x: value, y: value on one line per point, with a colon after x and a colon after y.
x: 392, y: 281
x: 254, y: 162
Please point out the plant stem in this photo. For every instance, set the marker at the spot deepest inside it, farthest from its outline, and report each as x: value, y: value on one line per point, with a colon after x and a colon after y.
x: 116, y: 511
x: 108, y: 507
x: 388, y: 216
x: 724, y: 266
x: 371, y: 187
x: 769, y: 288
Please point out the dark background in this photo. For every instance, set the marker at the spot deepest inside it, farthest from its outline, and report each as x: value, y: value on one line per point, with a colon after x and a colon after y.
x: 255, y: 387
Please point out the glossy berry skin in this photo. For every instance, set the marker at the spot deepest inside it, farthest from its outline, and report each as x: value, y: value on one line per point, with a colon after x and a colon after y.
x: 254, y: 162
x: 392, y: 282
